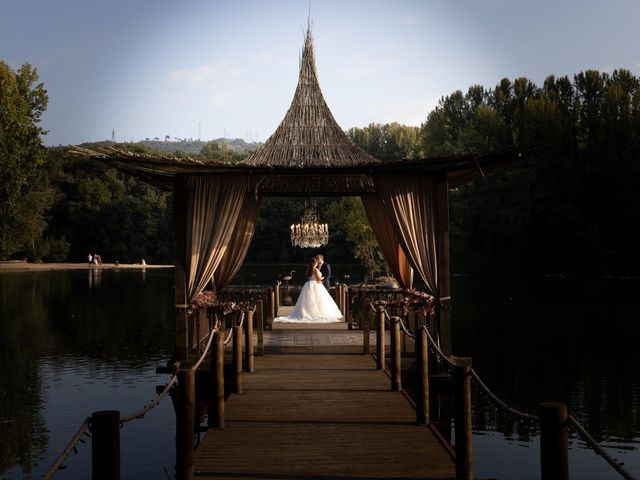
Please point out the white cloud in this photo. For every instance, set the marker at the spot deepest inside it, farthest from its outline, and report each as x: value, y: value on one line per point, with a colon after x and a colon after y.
x: 204, y: 74
x: 370, y: 69
x: 218, y: 99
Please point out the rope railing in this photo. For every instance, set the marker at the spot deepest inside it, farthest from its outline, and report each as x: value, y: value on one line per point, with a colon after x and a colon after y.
x: 230, y: 334
x: 595, y: 446
x: 373, y: 306
x: 588, y: 439
x: 436, y: 348
x: 86, y: 425
x: 206, y: 349
x: 143, y: 411
x: 404, y: 328
x: 498, y: 401
x: 71, y: 447
x: 199, y: 343
x: 211, y: 335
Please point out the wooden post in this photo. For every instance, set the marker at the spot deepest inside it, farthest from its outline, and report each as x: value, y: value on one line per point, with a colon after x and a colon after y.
x: 366, y: 327
x: 462, y: 404
x: 260, y: 325
x: 179, y: 241
x: 554, y: 438
x: 411, y: 320
x: 277, y: 297
x: 217, y: 376
x: 186, y: 423
x: 343, y: 300
x: 422, y: 379
x: 444, y: 264
x: 237, y: 359
x: 349, y: 312
x: 105, y: 445
x: 380, y: 339
x: 248, y: 341
x: 196, y: 321
x: 396, y: 356
x: 272, y: 304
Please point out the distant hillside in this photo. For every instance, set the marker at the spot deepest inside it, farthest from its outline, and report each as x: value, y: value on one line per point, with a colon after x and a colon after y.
x: 189, y: 146
x: 195, y: 146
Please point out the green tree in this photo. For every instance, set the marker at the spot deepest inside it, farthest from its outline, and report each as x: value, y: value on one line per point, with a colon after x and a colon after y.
x: 220, y: 152
x: 391, y: 141
x: 24, y: 192
x: 348, y: 217
x: 572, y: 206
x: 104, y: 211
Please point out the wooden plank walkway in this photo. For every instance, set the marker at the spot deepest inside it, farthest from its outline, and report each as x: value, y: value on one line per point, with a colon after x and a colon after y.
x: 315, y: 412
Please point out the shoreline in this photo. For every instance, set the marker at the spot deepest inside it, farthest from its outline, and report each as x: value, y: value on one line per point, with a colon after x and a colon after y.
x: 21, y: 266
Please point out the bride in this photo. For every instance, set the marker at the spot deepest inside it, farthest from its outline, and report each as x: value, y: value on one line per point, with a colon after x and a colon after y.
x: 314, y: 304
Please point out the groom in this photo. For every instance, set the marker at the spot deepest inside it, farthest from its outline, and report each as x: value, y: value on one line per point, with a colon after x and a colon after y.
x: 325, y: 271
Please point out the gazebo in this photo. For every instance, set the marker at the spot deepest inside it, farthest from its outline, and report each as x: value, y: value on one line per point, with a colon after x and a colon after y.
x: 216, y: 204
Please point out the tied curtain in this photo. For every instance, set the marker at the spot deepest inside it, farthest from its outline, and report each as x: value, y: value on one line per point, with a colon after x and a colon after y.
x: 410, y: 203
x: 212, y: 207
x: 387, y: 240
x: 238, y: 244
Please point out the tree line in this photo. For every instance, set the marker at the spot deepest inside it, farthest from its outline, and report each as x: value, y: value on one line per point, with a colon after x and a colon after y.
x: 571, y: 206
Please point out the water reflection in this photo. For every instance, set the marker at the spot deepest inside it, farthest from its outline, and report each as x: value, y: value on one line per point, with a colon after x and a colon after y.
x: 69, y: 346
x: 95, y: 277
x: 24, y: 433
x: 74, y: 342
x: 544, y: 339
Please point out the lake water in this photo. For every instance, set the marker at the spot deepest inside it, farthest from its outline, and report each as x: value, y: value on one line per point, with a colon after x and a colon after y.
x: 72, y: 342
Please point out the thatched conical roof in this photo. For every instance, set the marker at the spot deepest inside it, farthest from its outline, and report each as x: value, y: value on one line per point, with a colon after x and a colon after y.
x: 309, y: 136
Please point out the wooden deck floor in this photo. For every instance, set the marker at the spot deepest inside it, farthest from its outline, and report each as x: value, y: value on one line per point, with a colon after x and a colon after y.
x: 321, y: 415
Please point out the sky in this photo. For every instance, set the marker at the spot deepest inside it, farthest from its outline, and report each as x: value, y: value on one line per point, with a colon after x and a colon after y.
x: 212, y: 69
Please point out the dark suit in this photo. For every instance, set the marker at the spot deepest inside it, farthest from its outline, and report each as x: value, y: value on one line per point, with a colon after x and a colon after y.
x: 325, y: 271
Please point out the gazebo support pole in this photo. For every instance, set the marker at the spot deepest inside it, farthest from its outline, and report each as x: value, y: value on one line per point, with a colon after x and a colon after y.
x: 179, y: 231
x: 444, y: 264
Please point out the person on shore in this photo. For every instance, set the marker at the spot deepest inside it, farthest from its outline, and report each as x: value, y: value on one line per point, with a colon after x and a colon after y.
x: 90, y: 259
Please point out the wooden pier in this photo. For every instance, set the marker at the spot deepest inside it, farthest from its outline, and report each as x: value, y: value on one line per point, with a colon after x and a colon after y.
x: 316, y: 407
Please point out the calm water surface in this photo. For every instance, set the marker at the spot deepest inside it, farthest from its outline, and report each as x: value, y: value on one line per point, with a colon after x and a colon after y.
x: 73, y: 342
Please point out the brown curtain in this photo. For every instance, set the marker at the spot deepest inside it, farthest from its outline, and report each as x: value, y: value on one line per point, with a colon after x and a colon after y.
x: 238, y: 244
x: 212, y: 208
x: 410, y: 202
x: 387, y: 240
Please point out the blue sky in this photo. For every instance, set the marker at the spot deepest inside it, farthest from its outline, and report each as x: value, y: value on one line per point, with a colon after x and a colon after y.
x: 155, y: 68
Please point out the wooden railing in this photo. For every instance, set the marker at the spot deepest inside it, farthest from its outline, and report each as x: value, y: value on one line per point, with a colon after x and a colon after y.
x: 103, y: 427
x: 409, y: 324
x: 381, y: 308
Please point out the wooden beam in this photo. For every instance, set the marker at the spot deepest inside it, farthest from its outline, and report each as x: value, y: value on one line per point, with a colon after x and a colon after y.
x: 179, y: 240
x: 444, y: 264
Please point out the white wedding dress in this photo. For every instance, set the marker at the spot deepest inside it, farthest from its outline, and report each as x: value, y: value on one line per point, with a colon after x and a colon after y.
x: 314, y: 305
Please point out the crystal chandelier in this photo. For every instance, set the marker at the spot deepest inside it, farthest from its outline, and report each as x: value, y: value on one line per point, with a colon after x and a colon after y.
x: 309, y: 233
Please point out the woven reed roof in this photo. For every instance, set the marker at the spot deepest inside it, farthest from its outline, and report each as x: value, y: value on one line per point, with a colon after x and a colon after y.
x: 309, y: 136
x: 160, y: 170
